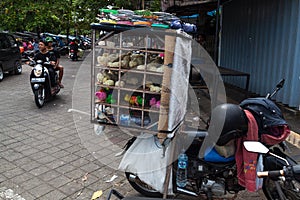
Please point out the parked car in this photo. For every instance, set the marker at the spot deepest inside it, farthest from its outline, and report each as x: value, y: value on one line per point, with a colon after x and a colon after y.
x: 10, y: 56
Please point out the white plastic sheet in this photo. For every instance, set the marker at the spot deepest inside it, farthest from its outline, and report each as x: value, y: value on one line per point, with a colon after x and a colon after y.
x: 145, y: 159
x: 179, y: 81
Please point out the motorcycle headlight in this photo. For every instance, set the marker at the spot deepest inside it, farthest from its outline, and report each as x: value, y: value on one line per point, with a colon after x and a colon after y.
x: 37, y: 71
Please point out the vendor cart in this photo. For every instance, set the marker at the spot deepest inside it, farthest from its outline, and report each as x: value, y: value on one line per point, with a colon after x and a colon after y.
x: 140, y: 80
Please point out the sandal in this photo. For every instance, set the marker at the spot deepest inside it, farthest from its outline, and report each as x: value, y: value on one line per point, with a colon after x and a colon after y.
x: 61, y: 85
x: 53, y: 90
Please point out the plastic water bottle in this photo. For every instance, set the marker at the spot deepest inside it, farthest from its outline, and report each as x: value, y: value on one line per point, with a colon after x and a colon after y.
x: 181, y: 176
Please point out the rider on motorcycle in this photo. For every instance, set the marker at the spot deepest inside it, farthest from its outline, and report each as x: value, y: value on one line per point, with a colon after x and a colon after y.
x: 74, y: 47
x: 57, y: 67
x: 45, y: 56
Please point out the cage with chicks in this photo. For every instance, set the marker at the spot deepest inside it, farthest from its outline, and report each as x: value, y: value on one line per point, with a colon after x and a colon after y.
x: 140, y: 77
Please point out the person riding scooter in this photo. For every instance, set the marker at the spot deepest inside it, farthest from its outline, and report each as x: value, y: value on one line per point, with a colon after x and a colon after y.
x: 45, y: 56
x: 57, y: 67
x: 74, y: 49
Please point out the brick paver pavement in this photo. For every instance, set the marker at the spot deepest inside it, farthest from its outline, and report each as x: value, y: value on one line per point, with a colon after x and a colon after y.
x: 42, y: 156
x: 53, y: 152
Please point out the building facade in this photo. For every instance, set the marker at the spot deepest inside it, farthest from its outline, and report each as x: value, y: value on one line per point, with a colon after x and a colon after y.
x: 260, y: 37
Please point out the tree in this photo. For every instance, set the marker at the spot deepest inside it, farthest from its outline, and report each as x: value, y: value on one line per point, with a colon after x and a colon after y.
x: 155, y: 5
x: 58, y: 16
x: 32, y: 15
x: 84, y: 13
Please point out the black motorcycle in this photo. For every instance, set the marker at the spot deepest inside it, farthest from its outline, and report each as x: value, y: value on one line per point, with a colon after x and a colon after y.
x: 64, y: 50
x: 28, y: 53
x: 281, y: 174
x: 41, y: 83
x: 216, y: 179
x: 73, y: 54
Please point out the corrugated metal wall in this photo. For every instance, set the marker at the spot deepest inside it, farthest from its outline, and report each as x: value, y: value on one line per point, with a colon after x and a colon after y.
x: 262, y: 37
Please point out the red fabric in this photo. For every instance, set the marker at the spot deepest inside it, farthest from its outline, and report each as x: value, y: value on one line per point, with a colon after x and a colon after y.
x: 279, y: 134
x: 246, y: 161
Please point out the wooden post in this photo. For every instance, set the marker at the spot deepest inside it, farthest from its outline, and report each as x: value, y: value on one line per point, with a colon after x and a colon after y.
x: 165, y: 91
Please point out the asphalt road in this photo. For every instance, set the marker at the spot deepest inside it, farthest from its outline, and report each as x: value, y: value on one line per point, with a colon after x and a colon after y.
x: 51, y: 153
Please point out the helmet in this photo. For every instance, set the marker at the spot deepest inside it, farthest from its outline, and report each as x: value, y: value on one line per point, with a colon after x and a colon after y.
x: 230, y: 120
x: 48, y: 39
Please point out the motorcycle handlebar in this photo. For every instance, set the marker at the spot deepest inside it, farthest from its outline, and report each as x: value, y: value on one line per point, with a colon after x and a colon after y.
x: 272, y: 174
x: 280, y: 84
x: 289, y: 171
x: 278, y: 87
x: 33, y: 62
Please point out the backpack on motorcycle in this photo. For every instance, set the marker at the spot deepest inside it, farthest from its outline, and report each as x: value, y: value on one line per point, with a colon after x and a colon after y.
x: 272, y: 127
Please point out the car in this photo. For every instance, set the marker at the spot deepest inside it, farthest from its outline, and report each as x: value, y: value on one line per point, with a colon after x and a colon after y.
x: 10, y: 56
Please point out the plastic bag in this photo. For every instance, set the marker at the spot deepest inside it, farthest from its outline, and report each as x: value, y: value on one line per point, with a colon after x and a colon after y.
x: 259, y: 168
x: 187, y: 27
x: 144, y: 158
x: 226, y: 150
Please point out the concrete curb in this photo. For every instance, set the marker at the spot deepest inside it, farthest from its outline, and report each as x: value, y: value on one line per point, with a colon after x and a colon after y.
x: 294, y: 139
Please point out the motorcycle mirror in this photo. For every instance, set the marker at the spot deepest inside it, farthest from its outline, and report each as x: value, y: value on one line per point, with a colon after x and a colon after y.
x: 280, y: 84
x: 256, y: 147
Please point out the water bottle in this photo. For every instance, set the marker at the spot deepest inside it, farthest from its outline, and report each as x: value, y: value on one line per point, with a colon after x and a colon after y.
x: 181, y: 176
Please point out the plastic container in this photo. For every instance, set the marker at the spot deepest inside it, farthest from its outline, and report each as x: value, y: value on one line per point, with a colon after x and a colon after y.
x: 125, y: 120
x: 181, y: 176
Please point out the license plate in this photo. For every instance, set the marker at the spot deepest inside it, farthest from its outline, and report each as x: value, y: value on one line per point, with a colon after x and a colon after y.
x: 37, y: 80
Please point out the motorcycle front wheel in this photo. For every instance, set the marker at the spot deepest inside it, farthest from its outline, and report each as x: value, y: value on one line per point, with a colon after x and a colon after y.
x: 289, y: 188
x: 141, y: 186
x: 39, y: 97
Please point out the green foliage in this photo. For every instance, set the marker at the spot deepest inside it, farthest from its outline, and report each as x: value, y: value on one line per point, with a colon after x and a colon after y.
x: 129, y: 4
x: 33, y: 15
x: 155, y: 6
x: 56, y: 16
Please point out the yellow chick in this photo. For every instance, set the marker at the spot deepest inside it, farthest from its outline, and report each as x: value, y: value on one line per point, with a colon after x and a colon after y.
x: 127, y: 98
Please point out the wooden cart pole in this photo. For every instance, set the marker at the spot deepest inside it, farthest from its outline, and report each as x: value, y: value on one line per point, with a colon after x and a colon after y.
x: 170, y: 41
x: 165, y: 101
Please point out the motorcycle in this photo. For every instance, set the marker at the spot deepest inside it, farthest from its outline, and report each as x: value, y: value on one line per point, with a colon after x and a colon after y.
x: 41, y: 83
x: 73, y: 55
x: 64, y: 50
x: 28, y: 53
x: 216, y: 179
x: 282, y: 174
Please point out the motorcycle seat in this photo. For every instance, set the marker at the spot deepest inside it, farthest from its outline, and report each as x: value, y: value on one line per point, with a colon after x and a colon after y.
x: 215, y: 157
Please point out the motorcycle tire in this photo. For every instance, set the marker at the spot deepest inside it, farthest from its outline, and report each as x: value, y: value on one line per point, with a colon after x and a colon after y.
x: 39, y: 97
x: 289, y: 188
x: 142, y: 187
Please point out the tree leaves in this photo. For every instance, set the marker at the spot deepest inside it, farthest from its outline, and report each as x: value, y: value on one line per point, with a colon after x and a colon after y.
x: 56, y: 16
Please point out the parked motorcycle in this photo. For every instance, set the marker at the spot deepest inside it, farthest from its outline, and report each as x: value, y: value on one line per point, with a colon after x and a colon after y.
x: 41, y: 83
x: 213, y: 178
x: 28, y: 53
x: 281, y: 174
x: 64, y: 50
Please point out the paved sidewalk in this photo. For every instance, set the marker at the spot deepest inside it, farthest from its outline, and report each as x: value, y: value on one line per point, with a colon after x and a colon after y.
x: 55, y: 152
x: 42, y: 155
